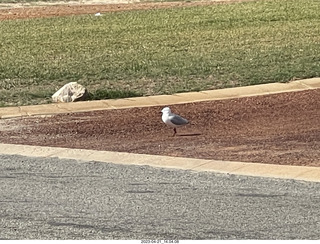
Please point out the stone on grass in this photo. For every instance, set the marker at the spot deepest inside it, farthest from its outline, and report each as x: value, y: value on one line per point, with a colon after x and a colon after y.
x: 70, y: 92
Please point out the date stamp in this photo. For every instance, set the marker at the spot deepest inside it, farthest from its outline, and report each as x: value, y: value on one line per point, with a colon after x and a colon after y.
x: 159, y: 241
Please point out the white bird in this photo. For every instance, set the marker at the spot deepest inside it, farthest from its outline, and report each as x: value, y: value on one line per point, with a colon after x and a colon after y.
x: 172, y: 119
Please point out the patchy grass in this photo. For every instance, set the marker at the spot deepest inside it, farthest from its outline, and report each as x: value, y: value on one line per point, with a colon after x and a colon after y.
x: 160, y: 51
x: 101, y: 94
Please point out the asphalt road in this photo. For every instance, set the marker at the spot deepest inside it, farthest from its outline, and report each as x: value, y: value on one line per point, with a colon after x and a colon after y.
x: 49, y: 198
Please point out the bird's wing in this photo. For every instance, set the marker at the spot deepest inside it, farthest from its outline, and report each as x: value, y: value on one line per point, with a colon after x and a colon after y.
x: 178, y: 120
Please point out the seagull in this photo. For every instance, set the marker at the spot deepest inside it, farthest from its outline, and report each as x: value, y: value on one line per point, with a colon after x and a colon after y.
x: 172, y: 119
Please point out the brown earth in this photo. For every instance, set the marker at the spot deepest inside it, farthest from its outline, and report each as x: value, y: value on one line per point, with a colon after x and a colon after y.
x: 18, y: 11
x: 275, y: 129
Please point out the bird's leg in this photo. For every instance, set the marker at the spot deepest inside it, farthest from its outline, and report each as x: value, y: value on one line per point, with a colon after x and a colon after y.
x: 175, y: 131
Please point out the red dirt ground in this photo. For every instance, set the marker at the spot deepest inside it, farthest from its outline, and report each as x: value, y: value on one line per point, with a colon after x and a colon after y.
x: 275, y: 129
x: 76, y: 9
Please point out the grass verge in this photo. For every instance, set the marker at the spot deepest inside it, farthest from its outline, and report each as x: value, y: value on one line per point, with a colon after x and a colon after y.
x: 160, y: 51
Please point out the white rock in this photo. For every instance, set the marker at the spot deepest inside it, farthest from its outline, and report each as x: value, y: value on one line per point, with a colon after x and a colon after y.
x: 70, y: 92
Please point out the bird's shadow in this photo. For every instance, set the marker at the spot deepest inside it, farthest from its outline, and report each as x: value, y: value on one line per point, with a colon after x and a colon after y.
x: 192, y: 134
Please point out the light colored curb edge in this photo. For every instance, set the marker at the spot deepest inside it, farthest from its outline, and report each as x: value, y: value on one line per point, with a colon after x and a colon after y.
x: 161, y: 100
x: 227, y: 167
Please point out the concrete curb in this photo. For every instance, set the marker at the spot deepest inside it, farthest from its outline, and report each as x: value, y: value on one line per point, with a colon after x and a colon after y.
x: 240, y: 168
x: 227, y: 167
x: 161, y: 100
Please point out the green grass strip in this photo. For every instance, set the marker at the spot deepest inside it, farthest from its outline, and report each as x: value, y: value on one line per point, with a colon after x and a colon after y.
x: 160, y: 51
